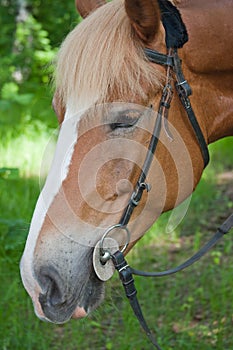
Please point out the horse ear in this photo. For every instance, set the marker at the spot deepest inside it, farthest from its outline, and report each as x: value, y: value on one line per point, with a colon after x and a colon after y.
x: 85, y: 7
x: 145, y: 17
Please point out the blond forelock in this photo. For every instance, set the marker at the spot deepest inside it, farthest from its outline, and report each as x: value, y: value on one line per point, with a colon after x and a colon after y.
x: 101, y: 60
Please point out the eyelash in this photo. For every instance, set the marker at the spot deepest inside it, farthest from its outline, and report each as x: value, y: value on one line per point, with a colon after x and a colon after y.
x: 115, y: 126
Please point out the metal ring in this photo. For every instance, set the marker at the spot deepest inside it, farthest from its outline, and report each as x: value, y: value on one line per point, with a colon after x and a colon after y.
x: 111, y: 228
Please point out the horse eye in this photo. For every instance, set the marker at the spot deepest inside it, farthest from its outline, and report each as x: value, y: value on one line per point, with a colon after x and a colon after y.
x: 125, y: 121
x: 118, y: 125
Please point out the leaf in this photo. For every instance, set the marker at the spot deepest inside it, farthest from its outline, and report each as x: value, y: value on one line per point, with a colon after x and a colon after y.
x: 9, y: 90
x: 24, y: 99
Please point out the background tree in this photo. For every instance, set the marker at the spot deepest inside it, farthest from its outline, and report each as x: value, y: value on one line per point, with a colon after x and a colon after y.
x: 31, y: 33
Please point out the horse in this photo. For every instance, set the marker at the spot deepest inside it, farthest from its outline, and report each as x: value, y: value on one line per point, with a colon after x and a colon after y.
x: 107, y: 98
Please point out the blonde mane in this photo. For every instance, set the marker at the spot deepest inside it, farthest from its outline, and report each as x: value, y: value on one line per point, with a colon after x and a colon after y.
x: 101, y: 60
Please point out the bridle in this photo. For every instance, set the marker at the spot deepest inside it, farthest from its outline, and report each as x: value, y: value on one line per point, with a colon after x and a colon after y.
x: 172, y: 63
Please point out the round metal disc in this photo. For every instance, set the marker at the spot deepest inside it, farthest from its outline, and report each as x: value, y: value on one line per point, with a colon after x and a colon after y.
x: 104, y: 272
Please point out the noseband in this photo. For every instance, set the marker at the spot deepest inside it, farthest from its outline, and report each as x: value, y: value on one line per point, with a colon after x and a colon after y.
x: 172, y: 63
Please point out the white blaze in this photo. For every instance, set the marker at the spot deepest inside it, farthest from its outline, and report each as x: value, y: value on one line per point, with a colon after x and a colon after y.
x: 67, y: 139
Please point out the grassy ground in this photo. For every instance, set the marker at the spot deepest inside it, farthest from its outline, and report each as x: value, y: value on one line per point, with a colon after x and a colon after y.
x: 192, y: 310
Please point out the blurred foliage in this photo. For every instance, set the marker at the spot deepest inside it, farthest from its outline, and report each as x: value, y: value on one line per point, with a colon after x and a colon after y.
x: 31, y: 31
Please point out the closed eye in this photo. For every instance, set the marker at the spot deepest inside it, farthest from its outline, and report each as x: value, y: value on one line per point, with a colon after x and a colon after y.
x: 125, y: 120
x: 119, y: 125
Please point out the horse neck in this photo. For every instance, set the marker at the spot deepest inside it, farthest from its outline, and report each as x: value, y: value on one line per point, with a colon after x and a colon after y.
x: 207, y: 60
x: 212, y: 104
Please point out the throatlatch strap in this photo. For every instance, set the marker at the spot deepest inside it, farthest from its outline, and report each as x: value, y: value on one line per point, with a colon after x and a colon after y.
x: 184, y: 91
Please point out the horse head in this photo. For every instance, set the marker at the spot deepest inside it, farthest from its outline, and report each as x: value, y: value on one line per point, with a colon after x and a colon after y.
x: 107, y: 97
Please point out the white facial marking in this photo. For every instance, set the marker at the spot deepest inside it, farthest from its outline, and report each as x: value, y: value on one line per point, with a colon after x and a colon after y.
x: 67, y: 139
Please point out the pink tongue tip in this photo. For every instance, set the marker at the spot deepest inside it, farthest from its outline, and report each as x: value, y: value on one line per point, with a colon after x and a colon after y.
x: 79, y: 313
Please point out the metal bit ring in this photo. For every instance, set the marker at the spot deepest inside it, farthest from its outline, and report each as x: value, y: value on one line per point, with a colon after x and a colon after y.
x: 111, y: 228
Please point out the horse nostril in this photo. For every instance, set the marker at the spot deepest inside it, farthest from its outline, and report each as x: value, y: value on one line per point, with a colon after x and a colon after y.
x: 57, y: 304
x: 53, y: 294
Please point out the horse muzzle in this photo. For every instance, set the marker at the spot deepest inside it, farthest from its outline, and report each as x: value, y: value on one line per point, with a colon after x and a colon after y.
x: 60, y: 300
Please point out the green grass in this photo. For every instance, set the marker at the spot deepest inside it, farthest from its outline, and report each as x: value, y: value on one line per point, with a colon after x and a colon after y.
x: 192, y: 310
x: 27, y: 149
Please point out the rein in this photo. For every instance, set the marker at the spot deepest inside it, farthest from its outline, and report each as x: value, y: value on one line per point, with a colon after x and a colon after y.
x: 126, y: 274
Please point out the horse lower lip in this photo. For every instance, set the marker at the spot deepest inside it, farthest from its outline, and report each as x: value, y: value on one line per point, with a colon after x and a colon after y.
x: 56, y: 312
x: 79, y: 313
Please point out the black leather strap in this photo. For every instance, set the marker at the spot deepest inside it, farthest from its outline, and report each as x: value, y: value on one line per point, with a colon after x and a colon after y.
x: 195, y: 125
x: 159, y: 58
x: 127, y: 280
x: 222, y: 230
x: 184, y: 91
x: 141, y: 185
x: 126, y: 274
